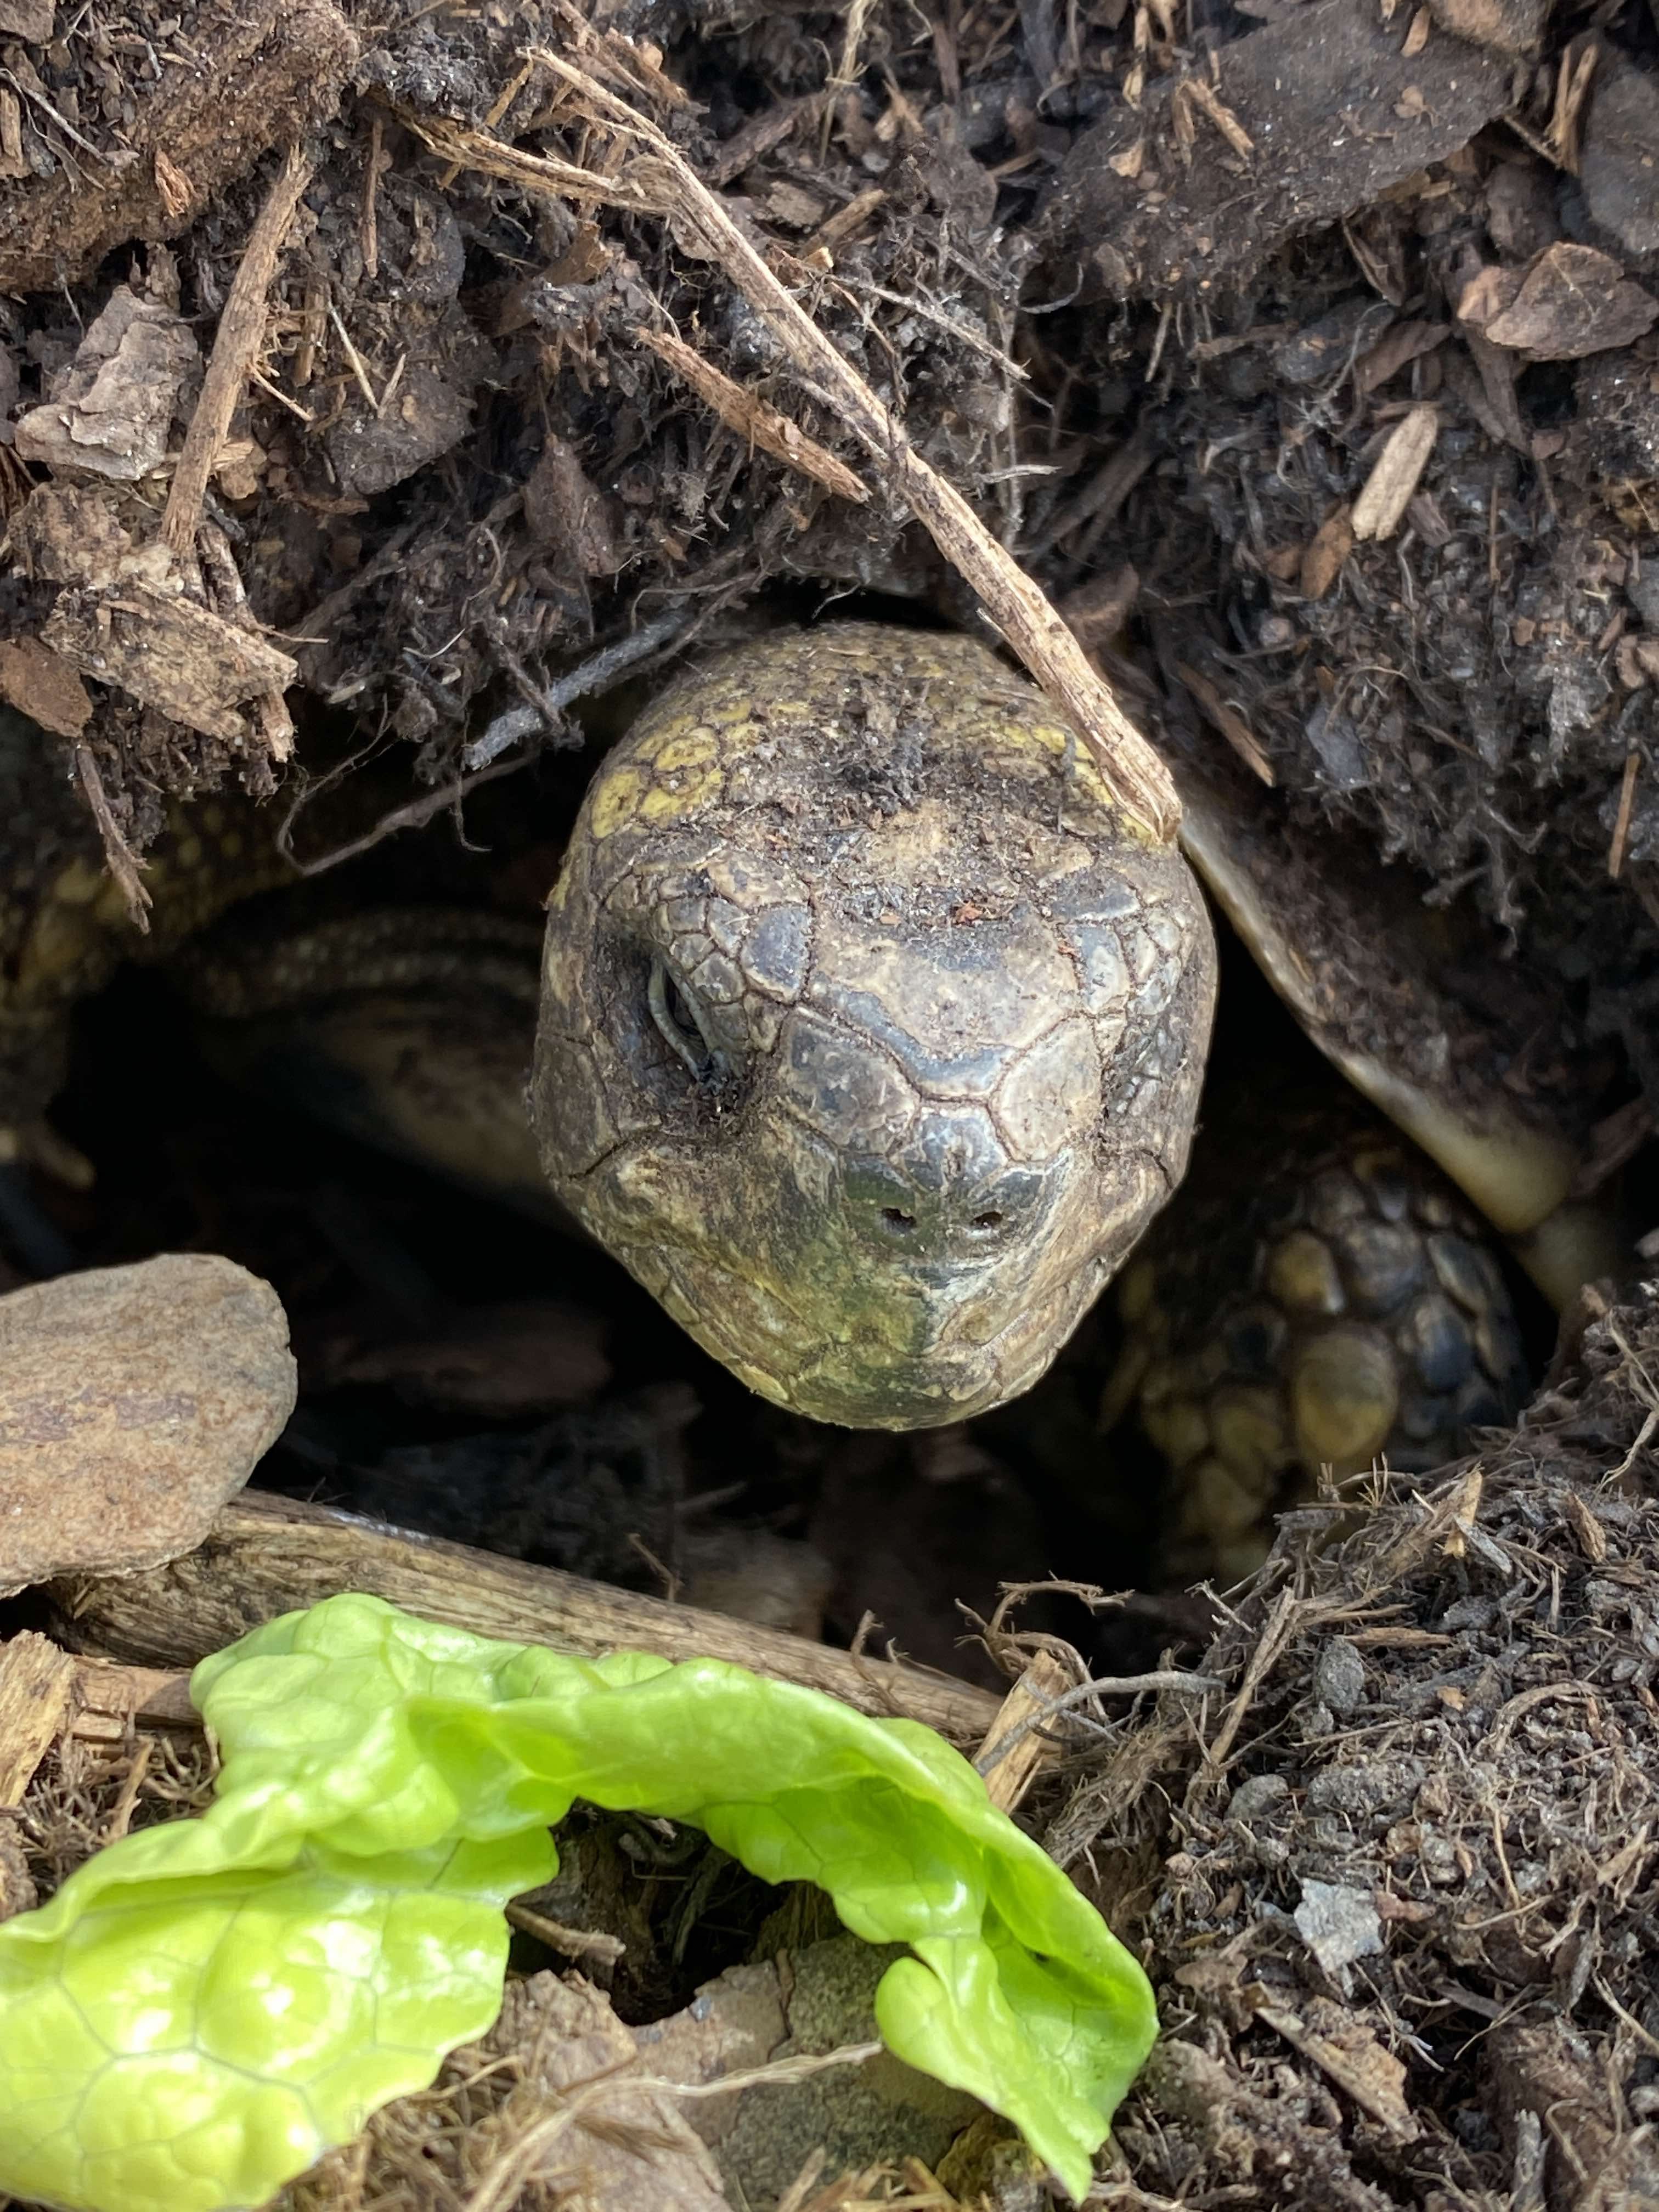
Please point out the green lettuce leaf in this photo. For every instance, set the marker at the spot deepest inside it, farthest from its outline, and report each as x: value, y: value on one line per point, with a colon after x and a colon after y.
x: 203, y: 2008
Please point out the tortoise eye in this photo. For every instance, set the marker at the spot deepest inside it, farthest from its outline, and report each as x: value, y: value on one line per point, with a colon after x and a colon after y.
x: 685, y: 1026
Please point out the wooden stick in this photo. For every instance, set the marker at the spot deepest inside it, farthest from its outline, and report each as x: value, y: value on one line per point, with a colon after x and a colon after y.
x: 752, y: 417
x: 235, y: 349
x: 266, y: 1556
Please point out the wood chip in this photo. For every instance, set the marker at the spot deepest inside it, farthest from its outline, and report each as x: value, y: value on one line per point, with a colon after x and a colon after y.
x: 37, y: 1684
x: 1626, y: 807
x: 1205, y: 97
x: 1325, y: 552
x: 1381, y: 507
x: 169, y: 651
x: 236, y: 347
x: 1014, y: 1747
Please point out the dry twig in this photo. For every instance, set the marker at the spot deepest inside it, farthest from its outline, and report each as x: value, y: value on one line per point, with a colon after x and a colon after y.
x: 752, y: 418
x: 235, y: 350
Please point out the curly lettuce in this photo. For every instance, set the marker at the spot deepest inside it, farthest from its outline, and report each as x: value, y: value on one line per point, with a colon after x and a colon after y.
x: 203, y: 2008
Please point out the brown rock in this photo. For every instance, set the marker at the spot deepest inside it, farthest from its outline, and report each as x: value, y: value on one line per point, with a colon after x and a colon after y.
x: 1572, y: 300
x: 133, y: 1402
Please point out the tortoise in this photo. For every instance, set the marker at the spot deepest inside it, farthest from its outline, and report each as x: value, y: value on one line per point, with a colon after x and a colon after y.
x: 870, y: 1033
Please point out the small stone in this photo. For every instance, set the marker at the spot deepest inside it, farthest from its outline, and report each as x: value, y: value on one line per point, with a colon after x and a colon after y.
x: 1338, y: 1925
x: 133, y: 1402
x: 1261, y: 1794
x: 1339, y: 1675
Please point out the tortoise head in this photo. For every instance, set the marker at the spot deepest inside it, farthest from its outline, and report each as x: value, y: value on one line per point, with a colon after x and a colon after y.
x: 871, y: 1034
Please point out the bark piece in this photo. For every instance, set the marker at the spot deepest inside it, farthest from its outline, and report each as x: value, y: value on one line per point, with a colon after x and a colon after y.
x: 168, y: 652
x: 32, y: 20
x: 36, y: 1687
x: 427, y: 416
x: 111, y: 410
x: 133, y: 1401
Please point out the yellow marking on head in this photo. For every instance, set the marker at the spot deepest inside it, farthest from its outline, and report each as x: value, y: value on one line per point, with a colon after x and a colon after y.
x: 684, y: 793
x: 694, y: 750
x: 616, y: 799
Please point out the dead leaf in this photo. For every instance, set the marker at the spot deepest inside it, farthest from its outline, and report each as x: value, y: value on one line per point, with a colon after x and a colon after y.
x: 1328, y: 548
x: 576, y: 2119
x: 35, y: 680
x: 1394, y: 350
x: 1344, y: 2050
x: 1573, y: 301
x: 1381, y: 507
x: 1417, y: 36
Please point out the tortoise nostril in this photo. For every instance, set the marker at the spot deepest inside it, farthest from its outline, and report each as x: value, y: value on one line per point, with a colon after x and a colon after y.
x: 991, y: 1220
x: 899, y: 1222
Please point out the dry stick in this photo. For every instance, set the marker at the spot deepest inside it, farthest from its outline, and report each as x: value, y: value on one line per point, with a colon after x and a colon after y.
x: 265, y: 1556
x: 119, y: 858
x: 752, y: 418
x: 662, y: 183
x: 235, y: 348
x: 1627, y: 805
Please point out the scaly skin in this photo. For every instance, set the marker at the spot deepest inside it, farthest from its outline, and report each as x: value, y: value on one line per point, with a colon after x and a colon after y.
x: 943, y: 1013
